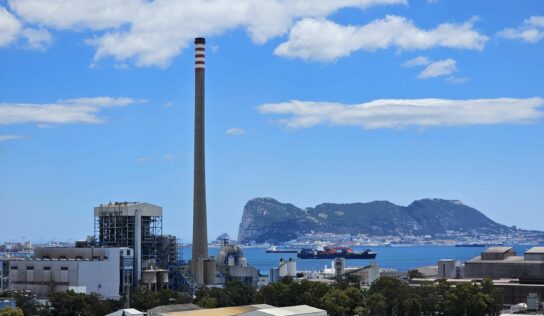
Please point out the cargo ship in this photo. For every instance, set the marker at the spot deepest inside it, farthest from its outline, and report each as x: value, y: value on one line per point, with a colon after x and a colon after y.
x: 273, y: 249
x: 471, y: 245
x: 335, y: 252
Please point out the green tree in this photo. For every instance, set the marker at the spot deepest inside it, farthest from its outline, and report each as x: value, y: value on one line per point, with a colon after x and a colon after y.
x: 376, y: 305
x: 11, y: 311
x: 71, y: 303
x: 335, y: 302
x: 355, y: 298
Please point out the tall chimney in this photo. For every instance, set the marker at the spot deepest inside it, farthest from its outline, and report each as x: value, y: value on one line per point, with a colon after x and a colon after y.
x: 200, y: 231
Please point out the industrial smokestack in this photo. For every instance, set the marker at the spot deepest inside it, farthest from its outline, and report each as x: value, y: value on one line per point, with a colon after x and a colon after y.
x: 200, y: 231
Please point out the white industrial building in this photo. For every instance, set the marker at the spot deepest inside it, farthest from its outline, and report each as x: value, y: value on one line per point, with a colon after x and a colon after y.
x: 104, y: 271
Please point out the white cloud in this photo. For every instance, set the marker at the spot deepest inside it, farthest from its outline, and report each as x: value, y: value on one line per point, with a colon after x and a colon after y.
x: 152, y: 33
x: 235, y: 131
x: 418, y: 61
x: 532, y: 30
x: 37, y: 38
x: 169, y: 157
x: 4, y: 138
x: 324, y: 40
x: 9, y: 27
x: 439, y: 68
x: 168, y: 104
x: 81, y: 110
x: 397, y: 113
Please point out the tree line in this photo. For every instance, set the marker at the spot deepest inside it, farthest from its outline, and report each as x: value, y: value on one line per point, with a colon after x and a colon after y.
x: 385, y: 297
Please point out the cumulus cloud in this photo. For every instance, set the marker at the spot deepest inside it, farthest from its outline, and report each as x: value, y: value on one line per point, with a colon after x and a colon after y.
x: 532, y: 30
x: 324, y: 40
x: 151, y: 33
x: 398, y: 113
x: 4, y: 138
x: 9, y: 27
x: 235, y: 131
x: 80, y: 110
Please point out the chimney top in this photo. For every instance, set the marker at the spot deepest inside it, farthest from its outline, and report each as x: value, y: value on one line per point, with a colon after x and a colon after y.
x: 200, y: 40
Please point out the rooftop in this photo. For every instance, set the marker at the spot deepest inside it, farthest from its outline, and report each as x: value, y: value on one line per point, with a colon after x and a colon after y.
x: 498, y: 249
x: 537, y: 250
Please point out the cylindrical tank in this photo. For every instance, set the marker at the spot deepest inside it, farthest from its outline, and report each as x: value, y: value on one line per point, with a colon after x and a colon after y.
x: 291, y: 268
x: 164, y: 276
x: 373, y: 273
x: 243, y: 262
x: 283, y: 269
x: 209, y: 272
x: 149, y: 277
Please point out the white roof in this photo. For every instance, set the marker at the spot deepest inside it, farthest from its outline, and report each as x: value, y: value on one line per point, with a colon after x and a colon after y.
x: 126, y: 312
x: 538, y: 250
x: 289, y: 311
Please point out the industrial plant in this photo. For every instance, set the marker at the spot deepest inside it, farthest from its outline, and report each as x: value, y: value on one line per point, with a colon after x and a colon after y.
x: 128, y: 247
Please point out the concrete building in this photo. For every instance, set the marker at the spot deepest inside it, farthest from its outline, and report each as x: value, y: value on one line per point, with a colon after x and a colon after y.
x: 104, y: 271
x: 449, y: 269
x: 133, y: 225
x: 286, y: 268
x: 503, y: 263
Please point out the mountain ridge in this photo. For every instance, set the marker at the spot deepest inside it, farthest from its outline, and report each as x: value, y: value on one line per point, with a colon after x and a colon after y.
x: 268, y: 220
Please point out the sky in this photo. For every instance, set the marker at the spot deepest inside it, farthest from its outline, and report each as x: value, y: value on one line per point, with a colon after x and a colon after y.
x: 307, y: 101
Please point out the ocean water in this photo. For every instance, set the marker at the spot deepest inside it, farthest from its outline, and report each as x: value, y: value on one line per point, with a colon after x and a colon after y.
x: 401, y: 258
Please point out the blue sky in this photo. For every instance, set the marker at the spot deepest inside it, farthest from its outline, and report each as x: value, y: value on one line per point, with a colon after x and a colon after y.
x: 307, y: 102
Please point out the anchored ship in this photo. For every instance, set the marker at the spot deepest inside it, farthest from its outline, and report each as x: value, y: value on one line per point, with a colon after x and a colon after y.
x: 336, y: 252
x: 273, y: 249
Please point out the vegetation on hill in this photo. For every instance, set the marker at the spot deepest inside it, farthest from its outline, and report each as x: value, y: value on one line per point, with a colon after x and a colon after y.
x: 267, y: 220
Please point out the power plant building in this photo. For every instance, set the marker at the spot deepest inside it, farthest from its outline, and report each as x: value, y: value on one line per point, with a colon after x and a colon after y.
x: 134, y: 225
x: 104, y: 271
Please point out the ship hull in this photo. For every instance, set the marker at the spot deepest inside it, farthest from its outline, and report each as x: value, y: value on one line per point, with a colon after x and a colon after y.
x: 364, y: 255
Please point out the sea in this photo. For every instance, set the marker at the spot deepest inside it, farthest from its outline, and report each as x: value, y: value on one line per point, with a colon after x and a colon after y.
x: 400, y: 258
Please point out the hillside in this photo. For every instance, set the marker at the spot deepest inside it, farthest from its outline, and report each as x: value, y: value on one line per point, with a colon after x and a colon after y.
x: 268, y: 220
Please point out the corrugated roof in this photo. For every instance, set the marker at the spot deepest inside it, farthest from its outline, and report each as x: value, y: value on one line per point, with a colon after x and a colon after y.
x: 223, y: 311
x: 498, y: 249
x: 539, y: 250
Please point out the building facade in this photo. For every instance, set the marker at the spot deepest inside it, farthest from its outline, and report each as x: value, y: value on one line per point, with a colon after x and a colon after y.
x: 104, y: 271
x: 133, y: 225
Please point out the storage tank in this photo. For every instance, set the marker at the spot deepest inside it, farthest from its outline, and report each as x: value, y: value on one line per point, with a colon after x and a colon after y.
x: 149, y: 277
x: 373, y: 273
x: 209, y: 271
x: 243, y: 262
x: 283, y: 269
x: 291, y: 268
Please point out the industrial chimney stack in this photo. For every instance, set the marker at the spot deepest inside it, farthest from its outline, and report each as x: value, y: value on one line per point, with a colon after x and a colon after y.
x: 200, y: 231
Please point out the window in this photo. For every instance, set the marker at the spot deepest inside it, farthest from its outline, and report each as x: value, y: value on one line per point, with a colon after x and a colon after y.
x: 64, y: 268
x: 47, y: 268
x: 14, y: 267
x: 30, y: 267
